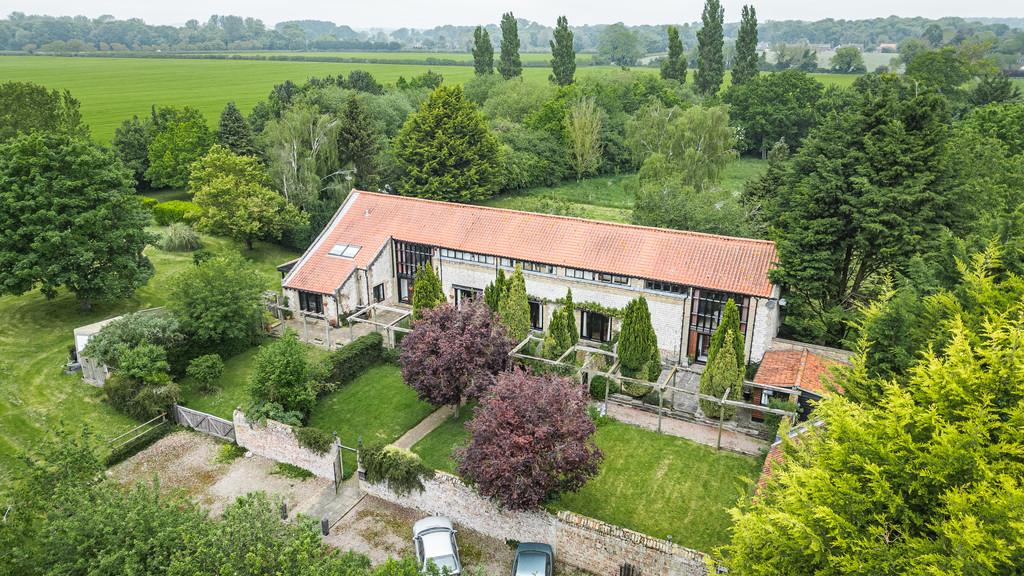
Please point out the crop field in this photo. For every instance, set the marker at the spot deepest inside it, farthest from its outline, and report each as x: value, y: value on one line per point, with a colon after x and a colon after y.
x: 410, y: 55
x: 113, y: 89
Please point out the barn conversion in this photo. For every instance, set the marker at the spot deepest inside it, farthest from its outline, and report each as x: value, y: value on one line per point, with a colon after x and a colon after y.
x: 371, y: 249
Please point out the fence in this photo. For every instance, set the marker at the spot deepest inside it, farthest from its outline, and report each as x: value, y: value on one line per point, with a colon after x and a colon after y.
x: 579, y: 541
x: 203, y: 422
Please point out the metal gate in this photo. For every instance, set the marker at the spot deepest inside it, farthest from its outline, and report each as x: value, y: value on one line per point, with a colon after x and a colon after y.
x: 203, y: 422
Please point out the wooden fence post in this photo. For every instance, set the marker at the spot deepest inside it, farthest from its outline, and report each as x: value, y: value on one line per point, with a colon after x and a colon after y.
x: 721, y: 418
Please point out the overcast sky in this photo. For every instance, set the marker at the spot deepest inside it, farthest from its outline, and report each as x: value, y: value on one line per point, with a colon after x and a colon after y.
x: 429, y: 13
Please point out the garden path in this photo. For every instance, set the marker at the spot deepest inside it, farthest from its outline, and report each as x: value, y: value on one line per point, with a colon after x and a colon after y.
x: 426, y: 426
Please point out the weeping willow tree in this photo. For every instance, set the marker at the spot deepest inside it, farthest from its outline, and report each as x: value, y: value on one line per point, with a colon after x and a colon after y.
x: 303, y: 152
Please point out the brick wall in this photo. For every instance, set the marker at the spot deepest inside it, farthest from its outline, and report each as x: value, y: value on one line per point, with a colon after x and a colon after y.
x: 579, y: 541
x: 277, y: 442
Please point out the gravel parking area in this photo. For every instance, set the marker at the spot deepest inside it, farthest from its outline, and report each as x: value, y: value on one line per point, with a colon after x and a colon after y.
x: 188, y: 461
x: 380, y: 529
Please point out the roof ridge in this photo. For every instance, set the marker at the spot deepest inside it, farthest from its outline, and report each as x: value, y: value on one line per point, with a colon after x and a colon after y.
x: 738, y: 239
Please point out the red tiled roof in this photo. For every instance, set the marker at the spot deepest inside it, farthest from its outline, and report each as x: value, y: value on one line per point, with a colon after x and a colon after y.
x: 369, y: 219
x: 794, y: 369
x: 775, y: 455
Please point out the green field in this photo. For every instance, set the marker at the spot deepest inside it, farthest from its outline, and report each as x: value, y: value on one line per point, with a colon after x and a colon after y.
x: 114, y: 89
x: 414, y: 55
x: 35, y: 395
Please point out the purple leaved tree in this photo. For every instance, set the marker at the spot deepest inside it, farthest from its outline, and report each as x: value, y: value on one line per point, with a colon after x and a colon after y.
x: 530, y: 439
x: 454, y: 354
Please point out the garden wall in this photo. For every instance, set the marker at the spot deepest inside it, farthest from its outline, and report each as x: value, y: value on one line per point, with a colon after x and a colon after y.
x: 579, y: 541
x: 277, y: 442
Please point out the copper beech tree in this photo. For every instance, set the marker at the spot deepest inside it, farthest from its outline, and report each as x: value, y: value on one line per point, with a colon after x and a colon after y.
x: 454, y: 353
x: 530, y: 439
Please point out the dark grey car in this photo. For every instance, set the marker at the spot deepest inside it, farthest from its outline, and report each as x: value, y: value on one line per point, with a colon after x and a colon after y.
x: 533, y: 559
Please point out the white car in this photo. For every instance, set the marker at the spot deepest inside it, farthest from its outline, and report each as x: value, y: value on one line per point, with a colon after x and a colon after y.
x: 434, y: 540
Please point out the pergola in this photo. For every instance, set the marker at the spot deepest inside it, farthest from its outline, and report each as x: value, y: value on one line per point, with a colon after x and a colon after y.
x: 381, y: 317
x: 601, y: 362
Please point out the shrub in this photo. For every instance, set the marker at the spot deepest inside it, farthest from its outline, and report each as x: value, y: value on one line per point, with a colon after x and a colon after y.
x: 281, y: 375
x: 597, y: 386
x: 351, y: 360
x: 292, y: 471
x: 401, y: 470
x: 167, y: 213
x: 206, y: 370
x: 228, y: 453
x: 313, y: 439
x: 180, y: 237
x: 261, y: 411
x: 636, y: 389
x: 148, y: 202
x: 130, y: 331
x: 772, y: 421
x: 142, y: 385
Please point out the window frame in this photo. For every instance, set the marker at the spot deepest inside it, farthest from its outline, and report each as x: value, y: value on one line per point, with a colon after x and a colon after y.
x: 306, y: 300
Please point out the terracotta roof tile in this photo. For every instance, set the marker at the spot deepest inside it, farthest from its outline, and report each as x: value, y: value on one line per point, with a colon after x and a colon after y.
x: 794, y: 369
x: 369, y: 219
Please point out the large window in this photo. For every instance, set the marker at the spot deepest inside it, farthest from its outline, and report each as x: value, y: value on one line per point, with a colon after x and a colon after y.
x: 311, y: 302
x: 527, y: 266
x: 595, y: 326
x: 536, y: 315
x: 409, y: 256
x: 705, y: 315
x: 462, y: 294
x: 669, y: 287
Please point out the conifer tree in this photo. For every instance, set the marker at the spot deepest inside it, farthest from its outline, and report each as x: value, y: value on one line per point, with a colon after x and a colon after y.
x: 446, y: 150
x: 509, y: 64
x: 514, y: 308
x: 426, y: 292
x: 722, y: 373
x: 563, y: 55
x: 674, y: 66
x: 569, y: 318
x: 730, y: 322
x: 234, y: 133
x: 357, y: 143
x: 483, y: 52
x: 638, y: 343
x: 494, y: 290
x: 710, y: 42
x: 745, y: 63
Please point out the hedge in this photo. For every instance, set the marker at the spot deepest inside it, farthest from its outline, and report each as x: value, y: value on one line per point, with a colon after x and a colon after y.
x: 314, y: 439
x: 353, y: 359
x: 167, y: 213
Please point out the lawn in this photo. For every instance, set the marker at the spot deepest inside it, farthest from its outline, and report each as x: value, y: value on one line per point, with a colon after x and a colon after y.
x: 377, y: 407
x: 436, y: 448
x: 606, y: 197
x: 114, y: 89
x: 35, y: 395
x: 466, y: 57
x: 652, y: 483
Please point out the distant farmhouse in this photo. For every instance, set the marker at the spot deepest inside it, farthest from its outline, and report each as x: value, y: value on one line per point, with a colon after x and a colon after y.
x: 370, y: 251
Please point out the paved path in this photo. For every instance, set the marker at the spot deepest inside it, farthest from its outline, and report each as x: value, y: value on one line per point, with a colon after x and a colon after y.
x: 335, y: 505
x: 700, y: 433
x: 423, y: 428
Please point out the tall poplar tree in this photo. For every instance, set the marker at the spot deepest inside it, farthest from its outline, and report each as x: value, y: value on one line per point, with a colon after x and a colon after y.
x: 745, y: 64
x: 509, y: 64
x: 674, y: 67
x: 514, y: 308
x: 710, y: 42
x: 483, y: 52
x: 563, y: 55
x: 357, y: 143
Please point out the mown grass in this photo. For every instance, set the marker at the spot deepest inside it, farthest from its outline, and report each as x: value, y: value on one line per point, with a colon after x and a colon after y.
x: 403, y: 55
x: 377, y: 407
x: 607, y: 198
x: 114, y: 89
x: 437, y: 447
x: 649, y: 482
x: 35, y: 395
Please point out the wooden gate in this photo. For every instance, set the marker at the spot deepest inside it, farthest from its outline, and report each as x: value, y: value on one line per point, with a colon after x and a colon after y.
x: 203, y: 422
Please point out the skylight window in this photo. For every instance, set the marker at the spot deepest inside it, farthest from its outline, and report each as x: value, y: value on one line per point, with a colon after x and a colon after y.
x: 344, y: 250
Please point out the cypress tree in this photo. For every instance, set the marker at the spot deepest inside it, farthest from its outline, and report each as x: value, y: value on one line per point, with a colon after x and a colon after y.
x: 514, y: 308
x: 730, y: 323
x: 557, y: 340
x: 721, y: 373
x: 357, y: 143
x: 426, y: 292
x: 569, y: 318
x: 674, y: 67
x: 509, y: 64
x: 563, y: 55
x: 494, y: 290
x: 745, y: 64
x: 233, y: 132
x: 638, y: 343
x: 710, y: 42
x: 483, y: 52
